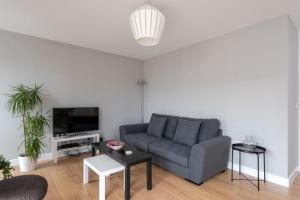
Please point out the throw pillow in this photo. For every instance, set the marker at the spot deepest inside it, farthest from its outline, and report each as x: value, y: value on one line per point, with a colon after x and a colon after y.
x: 187, y: 131
x: 157, y: 126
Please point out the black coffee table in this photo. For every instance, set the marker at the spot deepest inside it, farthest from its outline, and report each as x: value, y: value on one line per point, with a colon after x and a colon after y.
x: 135, y: 158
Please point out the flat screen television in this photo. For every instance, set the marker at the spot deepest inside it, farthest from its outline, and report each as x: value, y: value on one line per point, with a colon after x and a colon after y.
x: 75, y: 120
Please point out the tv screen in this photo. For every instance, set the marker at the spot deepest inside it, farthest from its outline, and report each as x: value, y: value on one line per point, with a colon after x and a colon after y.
x: 75, y: 120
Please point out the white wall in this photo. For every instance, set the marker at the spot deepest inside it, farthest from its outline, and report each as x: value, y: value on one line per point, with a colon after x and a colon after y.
x: 298, y: 101
x: 72, y: 76
x: 240, y: 78
x: 292, y: 98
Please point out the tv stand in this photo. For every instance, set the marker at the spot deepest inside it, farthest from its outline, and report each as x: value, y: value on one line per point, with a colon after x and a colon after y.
x: 68, y: 138
x: 73, y: 135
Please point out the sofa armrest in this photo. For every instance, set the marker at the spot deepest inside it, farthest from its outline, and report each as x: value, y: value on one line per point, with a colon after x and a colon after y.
x: 208, y: 158
x: 132, y: 129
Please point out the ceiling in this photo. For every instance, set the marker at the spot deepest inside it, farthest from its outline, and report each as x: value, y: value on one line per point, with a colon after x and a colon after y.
x: 104, y: 24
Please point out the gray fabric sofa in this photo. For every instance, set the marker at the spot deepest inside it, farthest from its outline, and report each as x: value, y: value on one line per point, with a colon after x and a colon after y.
x: 191, y: 148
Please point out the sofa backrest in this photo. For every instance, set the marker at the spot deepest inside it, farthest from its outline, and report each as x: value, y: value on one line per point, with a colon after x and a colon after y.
x: 170, y: 125
x: 209, y: 127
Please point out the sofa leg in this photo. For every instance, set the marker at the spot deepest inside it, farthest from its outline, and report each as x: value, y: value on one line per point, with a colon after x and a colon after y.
x: 222, y: 171
x: 193, y: 182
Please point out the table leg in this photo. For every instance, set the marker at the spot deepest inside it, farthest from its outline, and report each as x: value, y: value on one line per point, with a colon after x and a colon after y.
x: 149, y: 174
x: 264, y: 167
x: 231, y: 165
x: 124, y: 180
x: 85, y: 173
x: 93, y: 150
x: 127, y: 182
x: 54, y: 151
x: 102, y: 187
x: 239, y: 163
x: 257, y: 172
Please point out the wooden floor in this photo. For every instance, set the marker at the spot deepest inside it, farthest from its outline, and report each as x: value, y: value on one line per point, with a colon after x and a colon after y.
x: 65, y: 182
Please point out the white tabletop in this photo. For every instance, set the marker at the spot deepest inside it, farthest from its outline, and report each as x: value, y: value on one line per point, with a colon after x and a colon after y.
x: 103, y: 164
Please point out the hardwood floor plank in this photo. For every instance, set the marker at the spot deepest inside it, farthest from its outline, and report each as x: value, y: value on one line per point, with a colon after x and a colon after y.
x: 65, y: 182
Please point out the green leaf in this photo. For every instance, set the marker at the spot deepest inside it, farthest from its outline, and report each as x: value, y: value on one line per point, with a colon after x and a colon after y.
x: 5, y: 167
x: 23, y: 99
x: 35, y: 128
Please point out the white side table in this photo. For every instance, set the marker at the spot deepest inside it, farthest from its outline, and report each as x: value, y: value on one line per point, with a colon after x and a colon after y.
x: 103, y: 166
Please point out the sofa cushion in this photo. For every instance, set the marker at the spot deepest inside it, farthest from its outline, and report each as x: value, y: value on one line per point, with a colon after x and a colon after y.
x: 141, y: 140
x: 157, y: 126
x: 187, y: 131
x: 209, y: 129
x: 170, y: 125
x: 172, y: 151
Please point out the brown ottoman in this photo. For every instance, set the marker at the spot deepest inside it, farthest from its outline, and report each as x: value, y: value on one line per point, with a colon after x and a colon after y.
x: 27, y: 187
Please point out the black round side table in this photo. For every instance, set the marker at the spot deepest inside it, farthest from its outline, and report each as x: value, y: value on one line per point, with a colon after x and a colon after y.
x: 242, y: 148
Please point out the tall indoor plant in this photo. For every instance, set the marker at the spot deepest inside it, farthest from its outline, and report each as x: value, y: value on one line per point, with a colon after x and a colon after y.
x: 26, y: 103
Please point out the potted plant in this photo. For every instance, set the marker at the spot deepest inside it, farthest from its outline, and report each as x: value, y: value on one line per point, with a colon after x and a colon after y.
x: 26, y: 103
x: 5, y: 167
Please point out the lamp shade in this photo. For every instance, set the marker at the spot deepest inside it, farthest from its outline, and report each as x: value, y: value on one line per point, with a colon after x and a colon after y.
x: 147, y: 24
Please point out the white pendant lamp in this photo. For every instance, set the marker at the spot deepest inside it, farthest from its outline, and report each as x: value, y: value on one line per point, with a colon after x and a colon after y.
x: 147, y: 24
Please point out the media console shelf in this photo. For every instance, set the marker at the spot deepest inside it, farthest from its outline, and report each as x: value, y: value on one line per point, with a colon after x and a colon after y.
x: 56, y: 140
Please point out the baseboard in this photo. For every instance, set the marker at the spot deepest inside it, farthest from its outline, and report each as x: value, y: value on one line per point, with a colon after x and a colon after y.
x: 293, y: 176
x: 46, y: 156
x: 43, y: 157
x: 286, y: 182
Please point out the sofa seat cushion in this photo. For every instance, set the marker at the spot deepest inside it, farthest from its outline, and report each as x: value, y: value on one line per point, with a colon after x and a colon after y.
x: 187, y: 131
x: 141, y: 140
x: 172, y: 151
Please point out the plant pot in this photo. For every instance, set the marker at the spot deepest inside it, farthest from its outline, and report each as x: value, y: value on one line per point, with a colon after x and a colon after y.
x: 26, y: 163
